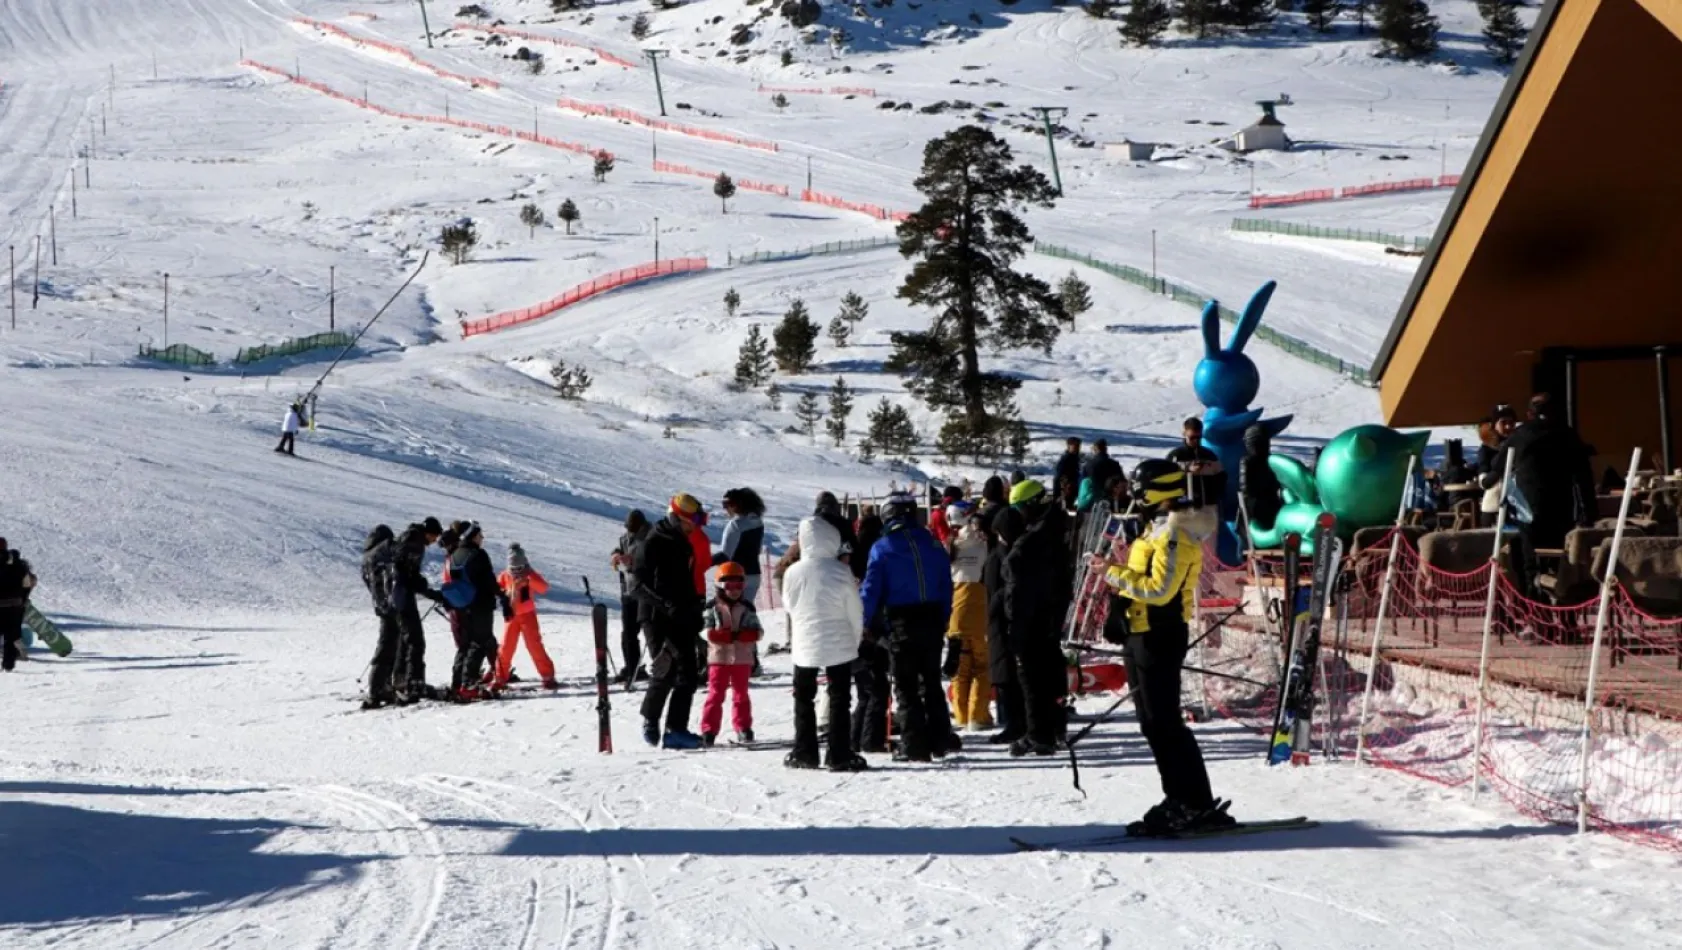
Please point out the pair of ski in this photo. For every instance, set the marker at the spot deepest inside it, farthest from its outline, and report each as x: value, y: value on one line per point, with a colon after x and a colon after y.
x: 1125, y: 838
x: 1293, y: 719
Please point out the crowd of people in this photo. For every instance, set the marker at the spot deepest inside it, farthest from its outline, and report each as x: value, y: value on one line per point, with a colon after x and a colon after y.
x: 956, y: 617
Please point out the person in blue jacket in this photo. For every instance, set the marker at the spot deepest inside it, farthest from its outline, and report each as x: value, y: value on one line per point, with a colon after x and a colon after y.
x: 908, y: 586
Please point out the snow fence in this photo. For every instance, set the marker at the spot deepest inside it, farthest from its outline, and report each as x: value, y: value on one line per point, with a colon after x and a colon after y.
x: 1426, y: 697
x: 1353, y: 191
x: 1265, y: 226
x: 399, y: 51
x: 819, y: 90
x: 662, y: 125
x: 601, y: 54
x: 501, y: 130
x: 591, y: 288
x: 744, y: 184
x: 831, y: 201
x: 178, y: 353
x: 815, y: 250
x: 292, y: 347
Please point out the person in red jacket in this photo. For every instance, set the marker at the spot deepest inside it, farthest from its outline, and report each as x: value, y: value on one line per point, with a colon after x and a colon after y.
x: 732, y: 632
x: 522, y: 585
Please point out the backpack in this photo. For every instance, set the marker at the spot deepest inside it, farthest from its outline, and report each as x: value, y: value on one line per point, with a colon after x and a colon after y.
x: 379, y: 573
x: 457, y: 589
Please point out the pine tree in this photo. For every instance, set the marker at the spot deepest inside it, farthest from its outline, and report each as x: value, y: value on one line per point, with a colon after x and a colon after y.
x: 839, y: 331
x: 794, y: 341
x: 639, y: 26
x: 1200, y: 18
x: 774, y: 395
x: 1100, y: 9
x: 604, y: 164
x: 568, y: 213
x: 1075, y: 295
x: 725, y: 189
x: 753, y: 360
x: 840, y: 407
x: 867, y: 450
x: 1320, y: 14
x: 1406, y: 29
x: 732, y: 302
x: 1248, y: 15
x: 1503, y: 33
x: 1146, y: 21
x: 808, y: 413
x: 891, y: 430
x: 854, y: 309
x: 967, y: 235
x: 532, y: 217
x: 458, y: 240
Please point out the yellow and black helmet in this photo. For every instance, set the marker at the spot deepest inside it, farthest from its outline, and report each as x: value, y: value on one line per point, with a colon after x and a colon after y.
x: 1158, y: 482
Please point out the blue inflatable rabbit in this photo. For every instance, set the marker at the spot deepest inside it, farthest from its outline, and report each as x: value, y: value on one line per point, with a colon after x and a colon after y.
x: 1226, y: 381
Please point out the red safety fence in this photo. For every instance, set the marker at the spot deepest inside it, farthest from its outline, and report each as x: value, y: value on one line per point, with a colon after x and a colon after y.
x: 830, y: 201
x: 1353, y: 191
x: 601, y: 54
x: 819, y: 91
x: 637, y: 118
x: 396, y: 50
x: 486, y: 127
x: 362, y: 16
x: 584, y: 291
x: 745, y: 184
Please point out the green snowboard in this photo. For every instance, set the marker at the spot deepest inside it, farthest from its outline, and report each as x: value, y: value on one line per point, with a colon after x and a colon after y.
x: 48, y: 631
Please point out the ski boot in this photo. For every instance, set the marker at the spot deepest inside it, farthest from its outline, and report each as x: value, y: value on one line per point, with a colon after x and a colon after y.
x: 945, y: 747
x: 708, y: 739
x: 853, y: 762
x: 795, y: 760
x: 1028, y: 745
x: 902, y: 754
x: 651, y: 732
x: 551, y: 684
x: 1005, y: 737
x: 680, y: 739
x: 744, y: 737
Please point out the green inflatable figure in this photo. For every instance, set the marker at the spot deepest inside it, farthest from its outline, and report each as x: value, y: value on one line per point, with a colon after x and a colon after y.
x: 1360, y: 478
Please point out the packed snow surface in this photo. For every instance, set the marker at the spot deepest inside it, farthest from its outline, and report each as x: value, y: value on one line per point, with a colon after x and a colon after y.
x: 197, y: 774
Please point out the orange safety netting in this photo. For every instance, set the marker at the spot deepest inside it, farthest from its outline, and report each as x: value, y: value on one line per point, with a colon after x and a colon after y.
x: 396, y: 50
x: 820, y: 91
x: 1353, y: 191
x: 601, y: 54
x: 584, y: 291
x: 637, y: 118
x: 875, y: 211
x: 486, y: 127
x: 746, y: 184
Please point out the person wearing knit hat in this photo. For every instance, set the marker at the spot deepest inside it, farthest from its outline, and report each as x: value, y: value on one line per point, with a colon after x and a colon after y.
x: 1038, y: 575
x: 671, y: 613
x: 623, y: 559
x: 408, y: 680
x: 689, y: 508
x: 521, y: 585
x: 469, y: 571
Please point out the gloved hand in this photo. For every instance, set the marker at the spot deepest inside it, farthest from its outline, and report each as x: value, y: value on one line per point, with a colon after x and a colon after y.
x: 1115, y: 624
x: 954, y: 653
x: 433, y: 596
x: 507, y: 607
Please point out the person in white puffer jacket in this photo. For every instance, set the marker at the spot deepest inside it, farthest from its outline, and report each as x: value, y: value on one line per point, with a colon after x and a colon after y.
x: 827, y: 618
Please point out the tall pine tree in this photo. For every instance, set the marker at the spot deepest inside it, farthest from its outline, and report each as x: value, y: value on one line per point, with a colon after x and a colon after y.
x: 1146, y: 21
x: 1503, y: 33
x: 965, y: 237
x: 1200, y: 18
x: 1320, y: 14
x: 795, y: 339
x: 840, y: 407
x: 1247, y: 15
x: 1406, y: 29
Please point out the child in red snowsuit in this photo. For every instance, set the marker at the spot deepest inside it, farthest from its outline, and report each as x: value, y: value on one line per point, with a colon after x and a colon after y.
x: 732, y: 630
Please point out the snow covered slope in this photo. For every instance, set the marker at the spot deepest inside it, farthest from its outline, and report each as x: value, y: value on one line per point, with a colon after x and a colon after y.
x: 194, y: 776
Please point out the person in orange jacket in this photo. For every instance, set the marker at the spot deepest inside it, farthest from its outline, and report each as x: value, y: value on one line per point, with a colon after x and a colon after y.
x: 522, y: 585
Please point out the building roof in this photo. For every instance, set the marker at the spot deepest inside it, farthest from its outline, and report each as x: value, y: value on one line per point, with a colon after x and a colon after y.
x: 1566, y: 228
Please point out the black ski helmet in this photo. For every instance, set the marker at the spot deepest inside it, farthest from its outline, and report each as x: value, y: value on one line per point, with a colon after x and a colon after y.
x: 1157, y: 482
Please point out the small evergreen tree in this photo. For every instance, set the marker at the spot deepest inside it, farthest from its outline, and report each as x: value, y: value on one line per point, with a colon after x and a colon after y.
x: 1100, y: 9
x: 567, y: 6
x: 787, y: 58
x: 604, y: 164
x: 753, y: 360
x: 571, y: 383
x: 725, y: 189
x: 1320, y: 14
x: 867, y: 450
x: 839, y: 331
x: 1406, y: 29
x: 458, y: 240
x: 891, y: 430
x: 1146, y: 21
x: 840, y: 407
x: 1247, y: 15
x: 780, y: 101
x: 568, y: 213
x: 1200, y: 18
x: 1503, y: 33
x: 794, y: 341
x: 732, y: 302
x: 1076, y: 296
x: 774, y: 395
x: 854, y: 309
x: 639, y: 26
x: 806, y: 411
x: 532, y: 217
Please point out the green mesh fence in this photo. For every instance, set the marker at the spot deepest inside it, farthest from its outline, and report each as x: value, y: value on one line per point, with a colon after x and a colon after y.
x: 178, y: 353
x: 1193, y: 298
x: 292, y: 347
x: 1260, y: 226
x: 816, y: 250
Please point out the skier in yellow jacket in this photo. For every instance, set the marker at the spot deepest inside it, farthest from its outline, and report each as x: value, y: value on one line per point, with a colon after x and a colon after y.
x: 967, y: 658
x: 1159, y: 586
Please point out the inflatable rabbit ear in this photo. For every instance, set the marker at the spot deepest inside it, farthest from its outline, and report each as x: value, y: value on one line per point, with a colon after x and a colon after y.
x: 1250, y: 318
x: 1211, y: 329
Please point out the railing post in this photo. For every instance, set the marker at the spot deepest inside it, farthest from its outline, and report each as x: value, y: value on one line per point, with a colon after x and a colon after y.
x: 1488, y: 623
x: 1383, y: 612
x: 1606, y: 584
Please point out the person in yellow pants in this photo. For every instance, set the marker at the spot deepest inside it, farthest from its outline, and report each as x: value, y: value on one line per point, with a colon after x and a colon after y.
x: 522, y: 584
x: 966, y: 633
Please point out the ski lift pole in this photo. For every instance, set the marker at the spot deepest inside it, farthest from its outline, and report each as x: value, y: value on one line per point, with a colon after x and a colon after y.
x: 1051, y: 140
x: 358, y: 338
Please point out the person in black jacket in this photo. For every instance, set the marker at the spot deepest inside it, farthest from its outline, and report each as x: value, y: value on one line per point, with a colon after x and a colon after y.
x: 1101, y: 468
x: 1257, y: 485
x: 672, y: 613
x: 872, y: 671
x: 478, y: 618
x: 1013, y: 717
x: 1038, y: 581
x: 17, y: 581
x: 409, y: 680
x: 994, y: 499
x: 1552, y: 469
x: 630, y: 606
x: 1068, y: 472
x: 379, y: 575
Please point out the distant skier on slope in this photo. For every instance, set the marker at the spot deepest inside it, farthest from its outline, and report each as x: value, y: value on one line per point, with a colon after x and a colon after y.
x: 521, y: 583
x: 409, y: 681
x: 17, y: 582
x: 1159, y: 584
x: 289, y: 428
x: 665, y: 573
